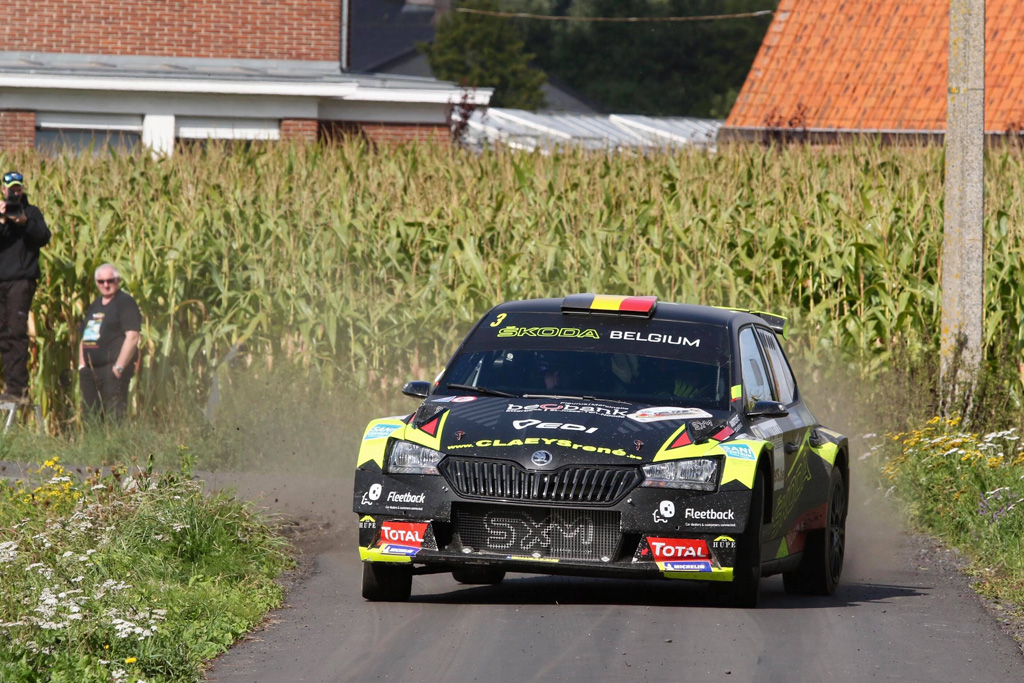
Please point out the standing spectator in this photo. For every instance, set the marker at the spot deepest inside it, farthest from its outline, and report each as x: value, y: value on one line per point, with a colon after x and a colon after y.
x: 22, y: 233
x: 110, y: 337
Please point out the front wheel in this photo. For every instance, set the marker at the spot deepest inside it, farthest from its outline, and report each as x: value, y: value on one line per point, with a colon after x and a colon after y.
x: 825, y: 549
x: 387, y: 582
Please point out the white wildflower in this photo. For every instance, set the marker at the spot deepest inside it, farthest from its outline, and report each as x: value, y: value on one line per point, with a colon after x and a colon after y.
x: 8, y: 551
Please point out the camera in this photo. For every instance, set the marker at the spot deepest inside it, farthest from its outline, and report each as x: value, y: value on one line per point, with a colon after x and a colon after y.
x: 14, y: 207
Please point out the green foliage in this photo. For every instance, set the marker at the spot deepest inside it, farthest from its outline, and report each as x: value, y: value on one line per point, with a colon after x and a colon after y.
x: 359, y: 269
x: 126, y: 576
x: 966, y: 488
x: 486, y: 52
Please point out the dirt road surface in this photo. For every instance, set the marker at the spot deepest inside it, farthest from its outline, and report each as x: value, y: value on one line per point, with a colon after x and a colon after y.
x: 902, y: 613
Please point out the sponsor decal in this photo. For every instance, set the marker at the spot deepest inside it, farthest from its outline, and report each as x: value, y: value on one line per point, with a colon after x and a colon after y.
x: 723, y: 543
x: 402, y: 538
x: 677, y: 549
x: 393, y: 549
x: 799, y: 475
x: 463, y: 399
x: 372, y: 494
x: 658, y: 413
x: 570, y: 332
x: 367, y: 522
x: 653, y: 337
x: 738, y: 450
x: 540, y: 458
x: 701, y: 425
x: 526, y: 424
x: 523, y: 533
x: 380, y: 431
x: 666, y: 511
x: 704, y: 566
x: 394, y: 497
x: 540, y: 441
x: 568, y: 407
x: 718, y: 515
x: 442, y: 399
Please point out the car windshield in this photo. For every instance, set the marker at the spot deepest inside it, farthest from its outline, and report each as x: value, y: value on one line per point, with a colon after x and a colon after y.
x: 653, y: 362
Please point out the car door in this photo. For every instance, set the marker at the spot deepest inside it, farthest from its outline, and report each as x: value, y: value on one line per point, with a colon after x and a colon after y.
x: 796, y: 428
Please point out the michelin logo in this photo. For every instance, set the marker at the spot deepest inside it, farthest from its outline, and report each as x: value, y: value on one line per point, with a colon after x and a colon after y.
x: 703, y: 566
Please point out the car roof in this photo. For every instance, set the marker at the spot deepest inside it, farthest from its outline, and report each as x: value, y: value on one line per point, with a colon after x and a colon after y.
x: 664, y: 310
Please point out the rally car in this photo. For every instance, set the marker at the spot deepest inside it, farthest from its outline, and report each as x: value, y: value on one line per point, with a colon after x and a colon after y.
x: 607, y: 436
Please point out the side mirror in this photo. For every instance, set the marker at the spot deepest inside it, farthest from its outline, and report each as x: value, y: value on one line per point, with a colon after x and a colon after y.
x: 768, y: 409
x: 416, y: 389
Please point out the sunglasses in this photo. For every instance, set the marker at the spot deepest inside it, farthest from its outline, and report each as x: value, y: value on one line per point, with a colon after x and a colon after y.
x: 111, y: 281
x: 12, y: 177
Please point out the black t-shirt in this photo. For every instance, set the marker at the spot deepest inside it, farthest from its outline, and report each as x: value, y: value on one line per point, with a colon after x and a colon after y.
x: 104, y: 327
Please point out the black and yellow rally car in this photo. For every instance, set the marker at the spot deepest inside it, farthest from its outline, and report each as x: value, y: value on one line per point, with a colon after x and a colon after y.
x: 607, y: 436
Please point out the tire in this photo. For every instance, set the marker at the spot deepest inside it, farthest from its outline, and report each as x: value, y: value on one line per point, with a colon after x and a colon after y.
x: 386, y: 582
x: 746, y: 578
x: 825, y: 549
x: 478, y: 576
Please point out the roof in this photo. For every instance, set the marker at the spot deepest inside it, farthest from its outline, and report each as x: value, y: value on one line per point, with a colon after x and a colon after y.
x: 876, y: 66
x: 664, y: 310
x: 526, y: 130
x: 234, y: 76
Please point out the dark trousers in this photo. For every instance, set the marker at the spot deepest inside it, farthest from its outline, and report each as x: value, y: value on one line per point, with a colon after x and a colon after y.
x: 15, y: 303
x: 103, y: 394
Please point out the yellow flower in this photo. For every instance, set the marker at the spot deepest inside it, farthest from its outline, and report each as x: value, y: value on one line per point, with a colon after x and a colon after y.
x: 131, y: 660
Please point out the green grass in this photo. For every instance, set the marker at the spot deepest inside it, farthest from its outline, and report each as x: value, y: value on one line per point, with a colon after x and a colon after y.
x: 968, y: 489
x: 128, y: 576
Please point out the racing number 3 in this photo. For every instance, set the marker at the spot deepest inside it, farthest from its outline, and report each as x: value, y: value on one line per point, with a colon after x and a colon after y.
x: 497, y: 321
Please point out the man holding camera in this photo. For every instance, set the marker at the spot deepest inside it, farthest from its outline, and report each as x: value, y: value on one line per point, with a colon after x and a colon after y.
x: 23, y: 233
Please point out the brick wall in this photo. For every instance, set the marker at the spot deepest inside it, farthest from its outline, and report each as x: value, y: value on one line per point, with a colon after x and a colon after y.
x: 386, y: 133
x: 226, y: 29
x: 17, y: 129
x: 299, y: 129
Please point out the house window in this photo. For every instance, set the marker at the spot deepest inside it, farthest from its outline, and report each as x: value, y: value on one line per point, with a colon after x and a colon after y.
x: 62, y: 132
x: 198, y: 128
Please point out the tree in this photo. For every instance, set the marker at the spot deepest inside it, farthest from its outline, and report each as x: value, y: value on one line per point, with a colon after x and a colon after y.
x: 486, y: 52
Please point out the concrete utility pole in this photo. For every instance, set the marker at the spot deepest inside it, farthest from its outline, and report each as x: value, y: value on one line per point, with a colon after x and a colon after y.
x: 963, y: 304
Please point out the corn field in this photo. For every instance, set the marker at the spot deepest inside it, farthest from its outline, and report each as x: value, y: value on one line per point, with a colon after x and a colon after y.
x: 364, y: 266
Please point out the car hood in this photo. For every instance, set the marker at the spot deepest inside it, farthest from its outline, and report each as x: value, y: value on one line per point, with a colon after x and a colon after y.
x: 572, y: 431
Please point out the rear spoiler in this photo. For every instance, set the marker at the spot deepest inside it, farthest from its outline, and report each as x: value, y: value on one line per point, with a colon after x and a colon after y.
x: 606, y: 304
x: 777, y: 323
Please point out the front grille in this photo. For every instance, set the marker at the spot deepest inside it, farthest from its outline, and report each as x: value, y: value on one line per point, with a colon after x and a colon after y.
x: 503, y: 480
x: 538, y: 532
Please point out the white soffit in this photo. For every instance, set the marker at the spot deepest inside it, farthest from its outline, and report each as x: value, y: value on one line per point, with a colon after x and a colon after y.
x: 75, y: 121
x: 227, y: 129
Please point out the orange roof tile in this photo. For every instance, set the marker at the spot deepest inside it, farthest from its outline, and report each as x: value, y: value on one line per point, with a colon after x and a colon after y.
x: 877, y: 65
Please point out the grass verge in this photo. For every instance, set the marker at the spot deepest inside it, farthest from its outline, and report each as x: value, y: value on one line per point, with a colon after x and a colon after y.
x: 967, y: 489
x: 129, y: 576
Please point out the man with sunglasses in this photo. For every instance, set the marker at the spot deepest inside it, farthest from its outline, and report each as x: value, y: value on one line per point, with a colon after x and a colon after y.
x: 23, y: 233
x: 110, y: 337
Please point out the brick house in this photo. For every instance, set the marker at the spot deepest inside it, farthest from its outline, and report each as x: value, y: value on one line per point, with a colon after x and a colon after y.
x: 161, y: 71
x: 833, y: 68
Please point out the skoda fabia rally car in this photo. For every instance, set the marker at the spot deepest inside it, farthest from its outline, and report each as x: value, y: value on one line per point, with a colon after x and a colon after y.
x: 607, y: 436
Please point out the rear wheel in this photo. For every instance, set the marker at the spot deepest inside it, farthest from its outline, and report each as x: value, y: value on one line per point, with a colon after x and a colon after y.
x: 478, y: 575
x: 387, y: 582
x: 825, y: 549
x: 746, y: 578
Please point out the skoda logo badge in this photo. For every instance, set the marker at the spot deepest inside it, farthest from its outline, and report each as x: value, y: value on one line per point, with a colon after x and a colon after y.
x: 541, y: 458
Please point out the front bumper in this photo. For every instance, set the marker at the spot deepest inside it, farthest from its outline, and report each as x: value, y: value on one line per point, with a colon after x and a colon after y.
x: 647, y: 533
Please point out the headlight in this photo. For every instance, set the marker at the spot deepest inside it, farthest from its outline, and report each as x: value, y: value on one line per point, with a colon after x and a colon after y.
x: 410, y: 458
x: 693, y: 473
